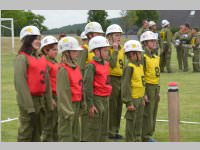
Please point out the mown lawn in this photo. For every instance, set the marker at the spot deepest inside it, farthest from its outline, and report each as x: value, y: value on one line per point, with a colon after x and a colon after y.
x: 189, y: 88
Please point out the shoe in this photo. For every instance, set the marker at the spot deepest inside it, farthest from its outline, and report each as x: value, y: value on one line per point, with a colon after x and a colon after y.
x: 151, y: 140
x: 116, y: 137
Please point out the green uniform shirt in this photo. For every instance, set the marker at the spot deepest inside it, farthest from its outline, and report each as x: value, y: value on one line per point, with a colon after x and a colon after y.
x: 168, y: 35
x: 113, y: 58
x: 82, y: 59
x: 88, y: 81
x: 24, y: 97
x: 175, y: 37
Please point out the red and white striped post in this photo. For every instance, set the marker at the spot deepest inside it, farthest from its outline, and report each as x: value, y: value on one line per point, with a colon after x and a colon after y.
x: 173, y: 111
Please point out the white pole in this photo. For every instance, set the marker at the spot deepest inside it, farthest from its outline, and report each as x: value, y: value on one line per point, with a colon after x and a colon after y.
x: 13, y: 40
x: 0, y: 71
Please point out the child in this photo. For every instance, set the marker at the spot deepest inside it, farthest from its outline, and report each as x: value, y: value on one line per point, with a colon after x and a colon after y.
x: 50, y: 51
x: 84, y: 39
x: 69, y: 90
x: 113, y: 34
x: 32, y: 86
x: 152, y: 78
x: 92, y: 29
x: 133, y: 82
x: 98, y: 90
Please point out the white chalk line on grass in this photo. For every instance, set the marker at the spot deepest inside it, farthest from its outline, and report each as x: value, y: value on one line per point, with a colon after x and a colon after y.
x: 8, y: 120
x: 183, y: 122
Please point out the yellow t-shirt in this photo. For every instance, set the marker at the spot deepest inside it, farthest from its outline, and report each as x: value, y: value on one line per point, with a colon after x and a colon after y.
x: 90, y: 54
x: 152, y: 72
x: 137, y: 81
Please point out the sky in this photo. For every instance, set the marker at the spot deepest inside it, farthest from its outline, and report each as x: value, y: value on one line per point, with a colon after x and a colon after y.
x: 60, y: 18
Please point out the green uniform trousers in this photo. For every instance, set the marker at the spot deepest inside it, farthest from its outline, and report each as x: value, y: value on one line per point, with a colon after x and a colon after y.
x: 115, y: 106
x: 179, y: 55
x: 195, y: 60
x: 150, y: 111
x: 69, y: 129
x: 84, y: 125
x: 134, y: 120
x: 165, y: 58
x: 98, y: 125
x: 30, y: 128
x: 185, y: 58
x: 50, y: 133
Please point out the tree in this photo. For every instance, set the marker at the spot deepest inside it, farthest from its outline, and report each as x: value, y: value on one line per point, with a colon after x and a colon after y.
x: 128, y: 19
x: 22, y: 18
x: 36, y: 20
x: 146, y: 14
x: 19, y: 19
x: 100, y: 17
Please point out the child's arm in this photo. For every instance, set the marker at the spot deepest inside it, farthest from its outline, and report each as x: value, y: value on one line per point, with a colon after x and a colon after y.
x: 113, y: 58
x: 24, y: 97
x: 64, y: 93
x: 88, y: 84
x: 126, y: 86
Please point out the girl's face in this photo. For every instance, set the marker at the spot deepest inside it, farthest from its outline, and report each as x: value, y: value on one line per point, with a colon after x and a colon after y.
x: 116, y: 37
x: 103, y: 53
x: 74, y: 54
x: 135, y: 56
x: 85, y: 41
x: 36, y: 43
x: 53, y: 51
x: 151, y: 44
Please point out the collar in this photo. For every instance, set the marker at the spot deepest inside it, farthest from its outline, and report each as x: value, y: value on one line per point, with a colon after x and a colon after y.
x: 99, y: 60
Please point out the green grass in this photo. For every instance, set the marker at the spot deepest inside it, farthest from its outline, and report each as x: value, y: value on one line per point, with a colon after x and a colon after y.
x: 189, y: 88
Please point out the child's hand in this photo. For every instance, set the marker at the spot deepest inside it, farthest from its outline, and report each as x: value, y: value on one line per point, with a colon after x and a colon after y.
x: 115, y: 46
x: 131, y: 108
x: 92, y: 110
x: 146, y: 99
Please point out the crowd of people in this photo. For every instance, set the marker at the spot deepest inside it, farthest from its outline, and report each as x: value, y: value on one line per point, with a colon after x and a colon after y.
x: 79, y: 97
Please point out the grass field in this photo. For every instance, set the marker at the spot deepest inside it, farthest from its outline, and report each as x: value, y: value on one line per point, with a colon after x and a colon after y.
x: 189, y: 85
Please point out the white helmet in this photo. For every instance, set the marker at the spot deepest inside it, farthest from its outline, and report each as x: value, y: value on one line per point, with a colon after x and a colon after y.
x: 68, y: 43
x: 97, y: 42
x: 83, y: 36
x: 47, y: 40
x: 29, y: 30
x: 165, y: 23
x: 148, y: 35
x: 151, y: 23
x: 133, y: 45
x: 93, y: 27
x: 113, y: 29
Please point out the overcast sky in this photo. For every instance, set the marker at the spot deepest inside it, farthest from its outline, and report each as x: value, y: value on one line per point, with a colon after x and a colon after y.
x: 60, y: 18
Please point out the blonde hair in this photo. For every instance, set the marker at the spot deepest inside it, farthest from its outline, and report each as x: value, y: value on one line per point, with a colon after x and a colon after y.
x: 65, y: 58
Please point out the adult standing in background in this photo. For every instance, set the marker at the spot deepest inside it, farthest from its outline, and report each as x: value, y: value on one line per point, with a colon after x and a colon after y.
x: 145, y: 27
